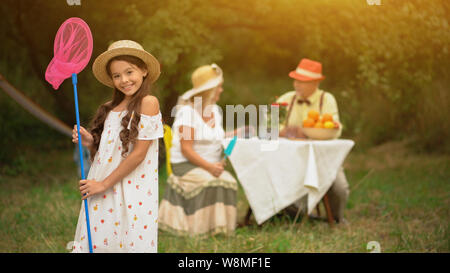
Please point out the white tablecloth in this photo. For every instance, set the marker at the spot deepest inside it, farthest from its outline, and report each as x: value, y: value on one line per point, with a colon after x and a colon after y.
x: 274, y: 174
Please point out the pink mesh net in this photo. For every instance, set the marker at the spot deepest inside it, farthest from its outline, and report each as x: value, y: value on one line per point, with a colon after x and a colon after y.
x: 72, y: 49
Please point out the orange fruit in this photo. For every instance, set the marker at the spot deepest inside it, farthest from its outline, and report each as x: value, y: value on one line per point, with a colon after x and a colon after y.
x: 313, y: 114
x: 319, y: 125
x: 308, y: 123
x: 327, y: 117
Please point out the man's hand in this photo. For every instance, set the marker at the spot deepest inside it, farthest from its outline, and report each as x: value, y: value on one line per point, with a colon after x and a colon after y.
x: 299, y: 133
x: 292, y: 132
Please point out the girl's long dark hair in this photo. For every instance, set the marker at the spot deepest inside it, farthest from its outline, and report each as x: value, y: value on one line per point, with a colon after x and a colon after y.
x: 126, y: 136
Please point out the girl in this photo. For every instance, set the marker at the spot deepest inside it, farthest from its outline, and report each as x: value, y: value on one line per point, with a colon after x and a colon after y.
x: 122, y: 184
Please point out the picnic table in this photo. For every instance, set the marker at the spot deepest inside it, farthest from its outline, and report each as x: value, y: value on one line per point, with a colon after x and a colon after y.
x: 276, y: 173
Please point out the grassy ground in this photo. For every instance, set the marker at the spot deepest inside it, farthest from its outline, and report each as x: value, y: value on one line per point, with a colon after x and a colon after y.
x: 398, y: 199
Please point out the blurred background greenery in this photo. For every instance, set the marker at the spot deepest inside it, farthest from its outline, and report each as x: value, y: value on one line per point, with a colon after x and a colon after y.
x: 388, y: 66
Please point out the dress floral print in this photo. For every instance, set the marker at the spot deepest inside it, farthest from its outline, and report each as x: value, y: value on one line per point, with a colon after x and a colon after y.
x: 125, y: 217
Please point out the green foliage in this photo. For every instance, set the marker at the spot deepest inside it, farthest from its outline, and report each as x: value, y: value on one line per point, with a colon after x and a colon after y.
x: 386, y: 65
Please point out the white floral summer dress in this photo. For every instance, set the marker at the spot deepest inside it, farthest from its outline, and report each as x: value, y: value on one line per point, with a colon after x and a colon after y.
x: 125, y: 217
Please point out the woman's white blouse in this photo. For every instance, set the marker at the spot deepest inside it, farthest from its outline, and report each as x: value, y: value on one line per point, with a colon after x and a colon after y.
x: 207, y: 140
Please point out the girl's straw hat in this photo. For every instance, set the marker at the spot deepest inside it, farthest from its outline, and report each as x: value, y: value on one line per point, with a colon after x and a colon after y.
x: 307, y: 70
x: 124, y: 47
x: 204, y: 78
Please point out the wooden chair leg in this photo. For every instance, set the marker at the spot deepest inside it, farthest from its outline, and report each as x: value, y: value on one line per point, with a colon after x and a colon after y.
x: 330, y: 217
x: 318, y: 210
x: 247, y: 217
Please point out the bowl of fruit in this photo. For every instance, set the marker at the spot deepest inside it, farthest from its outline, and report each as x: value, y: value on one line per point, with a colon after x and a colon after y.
x: 320, y: 127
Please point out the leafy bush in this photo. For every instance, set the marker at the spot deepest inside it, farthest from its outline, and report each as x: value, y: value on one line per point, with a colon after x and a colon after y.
x: 386, y: 65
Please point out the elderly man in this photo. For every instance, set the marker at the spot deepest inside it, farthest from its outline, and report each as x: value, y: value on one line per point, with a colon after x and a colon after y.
x: 307, y: 96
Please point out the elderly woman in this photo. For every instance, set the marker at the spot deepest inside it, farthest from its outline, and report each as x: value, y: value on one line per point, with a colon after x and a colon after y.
x: 200, y: 196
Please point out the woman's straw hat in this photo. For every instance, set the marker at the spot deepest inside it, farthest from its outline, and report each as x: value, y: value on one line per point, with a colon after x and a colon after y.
x: 124, y: 47
x: 307, y: 70
x: 204, y: 78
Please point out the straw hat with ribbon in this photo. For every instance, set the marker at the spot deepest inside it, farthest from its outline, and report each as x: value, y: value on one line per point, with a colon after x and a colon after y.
x: 124, y: 47
x: 307, y: 70
x: 204, y: 78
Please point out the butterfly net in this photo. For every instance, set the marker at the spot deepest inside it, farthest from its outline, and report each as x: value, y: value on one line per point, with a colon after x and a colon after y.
x: 72, y: 51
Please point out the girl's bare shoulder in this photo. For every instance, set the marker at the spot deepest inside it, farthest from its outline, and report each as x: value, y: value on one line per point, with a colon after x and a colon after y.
x: 150, y: 105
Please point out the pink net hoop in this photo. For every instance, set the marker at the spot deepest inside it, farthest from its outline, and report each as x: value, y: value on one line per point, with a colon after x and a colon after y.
x: 72, y: 51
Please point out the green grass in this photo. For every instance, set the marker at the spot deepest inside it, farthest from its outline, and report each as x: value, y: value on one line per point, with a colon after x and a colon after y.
x: 397, y: 198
